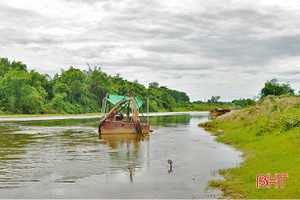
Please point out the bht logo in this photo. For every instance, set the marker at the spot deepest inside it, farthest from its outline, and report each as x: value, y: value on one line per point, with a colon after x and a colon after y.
x: 265, y: 181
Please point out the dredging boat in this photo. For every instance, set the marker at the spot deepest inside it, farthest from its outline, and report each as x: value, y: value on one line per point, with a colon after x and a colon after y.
x: 114, y: 121
x: 218, y: 112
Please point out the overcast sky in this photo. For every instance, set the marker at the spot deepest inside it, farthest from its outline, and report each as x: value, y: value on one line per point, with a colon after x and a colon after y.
x: 202, y: 47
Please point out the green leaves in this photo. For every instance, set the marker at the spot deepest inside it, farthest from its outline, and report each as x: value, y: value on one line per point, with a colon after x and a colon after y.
x: 74, y: 91
x: 18, y: 96
x: 243, y: 102
x: 274, y: 88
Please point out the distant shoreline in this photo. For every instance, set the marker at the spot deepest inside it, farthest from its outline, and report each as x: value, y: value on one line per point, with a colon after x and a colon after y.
x: 32, y: 117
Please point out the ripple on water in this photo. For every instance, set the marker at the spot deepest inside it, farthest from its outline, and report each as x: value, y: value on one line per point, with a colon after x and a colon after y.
x: 66, y: 159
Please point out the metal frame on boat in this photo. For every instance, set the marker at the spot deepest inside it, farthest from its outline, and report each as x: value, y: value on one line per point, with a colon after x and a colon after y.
x: 114, y: 123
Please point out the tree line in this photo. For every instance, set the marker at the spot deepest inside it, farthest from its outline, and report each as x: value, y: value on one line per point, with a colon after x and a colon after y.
x: 74, y: 91
x: 271, y: 87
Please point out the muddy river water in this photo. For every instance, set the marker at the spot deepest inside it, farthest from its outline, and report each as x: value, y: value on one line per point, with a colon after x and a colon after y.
x: 65, y: 158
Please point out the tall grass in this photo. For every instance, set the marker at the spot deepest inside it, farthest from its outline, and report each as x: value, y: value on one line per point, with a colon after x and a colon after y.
x: 269, y: 135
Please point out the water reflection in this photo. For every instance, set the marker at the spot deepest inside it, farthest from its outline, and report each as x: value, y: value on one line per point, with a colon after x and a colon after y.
x: 170, y: 120
x: 59, y: 122
x: 30, y: 154
x: 126, y: 154
x: 65, y: 159
x: 13, y: 148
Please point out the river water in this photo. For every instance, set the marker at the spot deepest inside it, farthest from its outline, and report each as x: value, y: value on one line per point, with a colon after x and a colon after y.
x: 65, y: 158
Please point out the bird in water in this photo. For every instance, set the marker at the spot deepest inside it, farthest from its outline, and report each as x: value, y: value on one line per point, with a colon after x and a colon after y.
x: 170, y: 162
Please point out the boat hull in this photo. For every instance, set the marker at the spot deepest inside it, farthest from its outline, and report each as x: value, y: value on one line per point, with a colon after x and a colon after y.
x: 218, y: 112
x: 110, y: 127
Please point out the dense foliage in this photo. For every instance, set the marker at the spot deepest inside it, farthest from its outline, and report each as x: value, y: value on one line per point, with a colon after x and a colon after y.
x: 74, y: 91
x: 243, y: 102
x: 272, y: 87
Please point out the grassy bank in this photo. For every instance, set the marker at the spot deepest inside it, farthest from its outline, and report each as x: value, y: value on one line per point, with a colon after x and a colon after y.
x: 269, y: 135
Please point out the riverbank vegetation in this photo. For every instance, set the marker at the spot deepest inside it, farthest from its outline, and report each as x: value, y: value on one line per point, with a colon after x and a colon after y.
x: 269, y: 135
x: 74, y: 91
x: 78, y: 91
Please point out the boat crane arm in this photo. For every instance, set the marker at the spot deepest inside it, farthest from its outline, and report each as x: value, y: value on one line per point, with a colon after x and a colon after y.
x: 119, y: 104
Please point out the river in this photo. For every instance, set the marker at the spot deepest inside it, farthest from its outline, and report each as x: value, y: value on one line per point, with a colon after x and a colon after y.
x: 65, y: 158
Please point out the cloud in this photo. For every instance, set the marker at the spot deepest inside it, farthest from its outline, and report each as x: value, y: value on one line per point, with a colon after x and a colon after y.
x: 185, y: 45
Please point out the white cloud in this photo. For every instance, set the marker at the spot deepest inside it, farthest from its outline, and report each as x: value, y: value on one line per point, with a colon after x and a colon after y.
x: 202, y: 47
x: 282, y: 3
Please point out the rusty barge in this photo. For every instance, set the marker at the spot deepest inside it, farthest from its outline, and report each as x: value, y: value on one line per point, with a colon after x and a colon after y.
x: 218, y: 112
x: 114, y: 121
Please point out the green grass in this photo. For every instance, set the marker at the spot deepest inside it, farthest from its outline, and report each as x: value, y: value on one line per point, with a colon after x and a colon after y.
x: 269, y: 136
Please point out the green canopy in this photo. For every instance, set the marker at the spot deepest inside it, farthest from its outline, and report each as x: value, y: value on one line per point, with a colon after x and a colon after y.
x: 114, y: 99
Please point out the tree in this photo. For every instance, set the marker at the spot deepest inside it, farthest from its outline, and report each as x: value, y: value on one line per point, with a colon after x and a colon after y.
x: 98, y: 84
x: 18, y: 95
x: 178, y: 96
x: 42, y: 82
x: 274, y: 88
x: 214, y: 99
x: 74, y: 86
x: 243, y: 102
x: 74, y: 91
x: 153, y: 85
